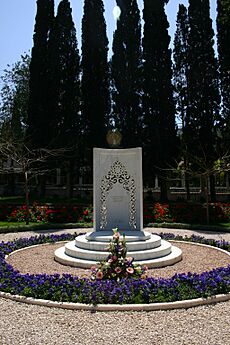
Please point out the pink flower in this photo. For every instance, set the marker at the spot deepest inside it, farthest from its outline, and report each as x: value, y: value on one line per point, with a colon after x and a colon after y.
x: 116, y: 235
x: 99, y: 275
x: 118, y: 270
x: 145, y: 268
x: 94, y: 268
x: 112, y: 259
x: 130, y: 259
x: 129, y: 270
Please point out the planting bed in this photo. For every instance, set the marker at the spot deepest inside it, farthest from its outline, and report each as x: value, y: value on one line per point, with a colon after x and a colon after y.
x: 197, y: 275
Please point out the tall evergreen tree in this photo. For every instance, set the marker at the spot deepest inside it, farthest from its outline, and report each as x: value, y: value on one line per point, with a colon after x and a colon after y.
x: 158, y: 105
x: 223, y: 34
x: 64, y: 90
x: 94, y: 64
x: 63, y: 79
x: 203, y: 96
x: 180, y: 79
x: 126, y: 62
x: 38, y: 121
x: 180, y: 66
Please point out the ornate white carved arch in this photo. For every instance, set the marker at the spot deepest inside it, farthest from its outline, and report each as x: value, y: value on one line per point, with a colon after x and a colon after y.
x: 118, y: 174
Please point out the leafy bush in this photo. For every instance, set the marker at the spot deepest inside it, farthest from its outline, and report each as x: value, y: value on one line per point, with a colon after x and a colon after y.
x: 50, y: 214
x: 87, y: 215
x: 189, y: 213
x: 35, y: 214
x: 5, y: 211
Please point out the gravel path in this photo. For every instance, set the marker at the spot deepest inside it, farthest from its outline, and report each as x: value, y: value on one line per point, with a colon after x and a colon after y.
x: 22, y: 324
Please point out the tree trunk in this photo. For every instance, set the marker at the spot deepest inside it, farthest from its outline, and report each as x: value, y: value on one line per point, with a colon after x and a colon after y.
x: 212, y: 188
x: 164, y: 189
x: 203, y: 187
x: 69, y: 182
x: 187, y: 187
x: 207, y: 200
x: 11, y: 185
x: 42, y: 186
x: 11, y: 181
x: 27, y: 197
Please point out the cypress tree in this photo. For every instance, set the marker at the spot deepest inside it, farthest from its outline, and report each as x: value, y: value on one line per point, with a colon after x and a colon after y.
x: 38, y: 121
x: 180, y: 66
x: 180, y: 79
x: 158, y: 105
x: 95, y: 86
x: 63, y: 75
x: 223, y: 33
x: 126, y: 62
x: 64, y: 90
x: 203, y: 95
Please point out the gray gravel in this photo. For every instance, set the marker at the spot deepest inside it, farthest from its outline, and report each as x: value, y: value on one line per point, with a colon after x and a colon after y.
x: 40, y: 259
x: 22, y: 324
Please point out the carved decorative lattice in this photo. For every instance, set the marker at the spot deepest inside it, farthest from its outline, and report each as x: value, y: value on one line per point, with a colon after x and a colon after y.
x: 118, y: 174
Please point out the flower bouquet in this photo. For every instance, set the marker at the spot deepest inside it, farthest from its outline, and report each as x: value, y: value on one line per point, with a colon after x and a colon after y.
x: 117, y: 265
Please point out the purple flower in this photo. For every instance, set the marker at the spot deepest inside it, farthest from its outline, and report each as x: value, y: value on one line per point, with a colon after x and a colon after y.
x: 128, y: 290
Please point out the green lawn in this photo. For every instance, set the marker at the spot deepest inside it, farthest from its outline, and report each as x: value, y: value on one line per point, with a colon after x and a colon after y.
x: 225, y: 225
x: 21, y: 226
x: 6, y: 227
x: 14, y: 200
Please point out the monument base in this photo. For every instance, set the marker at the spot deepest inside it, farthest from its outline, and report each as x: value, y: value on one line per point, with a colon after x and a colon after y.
x: 146, y: 249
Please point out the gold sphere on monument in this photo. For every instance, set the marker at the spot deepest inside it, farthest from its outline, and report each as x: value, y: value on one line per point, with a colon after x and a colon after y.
x: 113, y: 138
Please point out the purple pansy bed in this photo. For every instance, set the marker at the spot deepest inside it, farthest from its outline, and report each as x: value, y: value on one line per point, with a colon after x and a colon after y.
x: 68, y: 288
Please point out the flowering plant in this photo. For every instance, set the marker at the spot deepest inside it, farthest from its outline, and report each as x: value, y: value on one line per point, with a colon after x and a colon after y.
x: 87, y: 215
x: 68, y: 288
x: 35, y: 213
x: 50, y: 214
x: 117, y: 265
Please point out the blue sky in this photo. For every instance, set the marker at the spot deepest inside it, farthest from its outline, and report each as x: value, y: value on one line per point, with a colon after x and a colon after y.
x: 17, y: 24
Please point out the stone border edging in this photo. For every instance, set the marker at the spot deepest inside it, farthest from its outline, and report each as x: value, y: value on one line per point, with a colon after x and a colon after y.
x: 202, y: 245
x: 33, y: 246
x: 119, y: 307
x: 122, y: 307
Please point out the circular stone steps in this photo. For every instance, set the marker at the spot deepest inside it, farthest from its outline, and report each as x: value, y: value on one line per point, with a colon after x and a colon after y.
x: 82, y: 242
x: 89, y: 249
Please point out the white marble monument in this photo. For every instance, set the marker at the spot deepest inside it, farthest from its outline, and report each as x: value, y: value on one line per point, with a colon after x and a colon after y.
x: 118, y: 203
x: 118, y: 189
